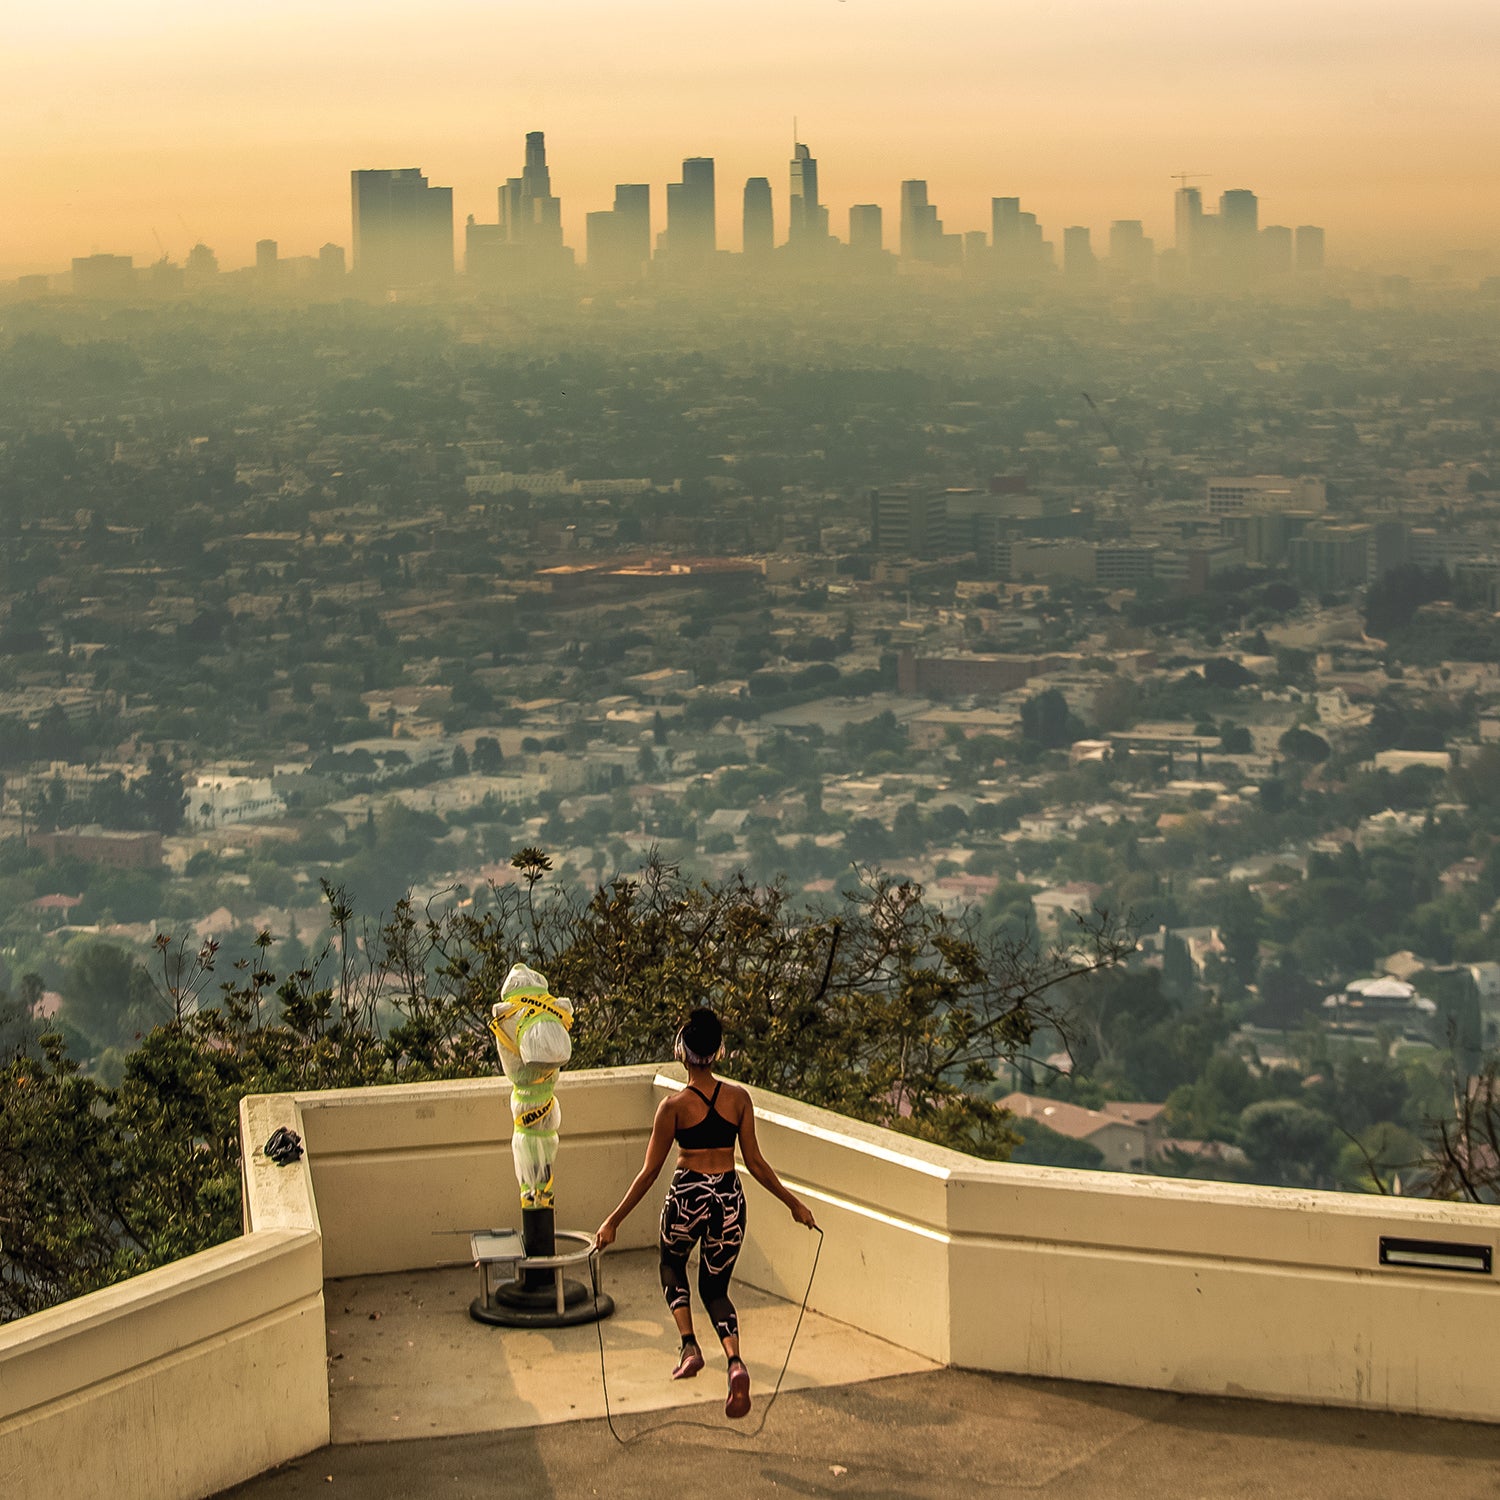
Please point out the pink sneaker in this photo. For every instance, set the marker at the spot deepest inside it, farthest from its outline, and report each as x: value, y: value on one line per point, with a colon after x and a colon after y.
x: 690, y: 1363
x: 737, y: 1402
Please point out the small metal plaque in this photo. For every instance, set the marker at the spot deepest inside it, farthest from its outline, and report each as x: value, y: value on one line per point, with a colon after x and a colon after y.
x: 495, y: 1244
x: 1435, y: 1255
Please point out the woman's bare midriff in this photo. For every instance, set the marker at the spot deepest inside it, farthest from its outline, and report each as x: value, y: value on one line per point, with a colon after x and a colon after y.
x: 720, y: 1159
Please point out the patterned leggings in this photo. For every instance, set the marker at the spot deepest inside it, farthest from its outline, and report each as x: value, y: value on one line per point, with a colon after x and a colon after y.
x: 706, y: 1207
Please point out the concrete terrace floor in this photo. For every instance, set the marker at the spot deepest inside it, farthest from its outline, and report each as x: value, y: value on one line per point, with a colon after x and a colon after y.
x: 406, y: 1360
x: 934, y: 1437
x: 425, y: 1402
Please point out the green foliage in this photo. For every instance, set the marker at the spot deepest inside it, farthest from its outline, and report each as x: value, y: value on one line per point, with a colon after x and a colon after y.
x: 63, y: 1184
x: 1288, y: 1143
x: 1042, y: 1146
x: 1391, y: 603
x: 101, y: 993
x: 883, y: 732
x: 1303, y: 745
x: 880, y: 1007
x: 1241, y: 925
x: 1047, y: 721
x: 1141, y: 1039
x: 1287, y: 996
x: 1234, y: 739
x: 487, y: 759
x: 1221, y: 672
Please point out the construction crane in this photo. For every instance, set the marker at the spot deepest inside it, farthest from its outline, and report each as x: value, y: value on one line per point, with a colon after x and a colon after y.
x: 1183, y: 178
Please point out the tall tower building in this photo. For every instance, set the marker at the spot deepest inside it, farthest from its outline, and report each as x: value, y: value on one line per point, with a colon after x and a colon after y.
x: 1005, y: 221
x: 1239, y: 234
x: 1239, y: 212
x: 1078, y: 253
x: 866, y: 229
x: 619, y: 238
x: 632, y: 212
x: 202, y: 264
x: 526, y: 241
x: 1016, y: 239
x: 759, y: 226
x: 916, y: 216
x: 922, y: 236
x: 1187, y: 218
x: 1130, y: 252
x: 807, y: 223
x: 691, y: 233
x: 403, y: 228
x: 1276, y: 249
x: 529, y: 212
x: 1309, y: 248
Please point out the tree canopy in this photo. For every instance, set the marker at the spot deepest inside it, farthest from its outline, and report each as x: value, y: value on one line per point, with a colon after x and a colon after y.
x: 880, y: 1006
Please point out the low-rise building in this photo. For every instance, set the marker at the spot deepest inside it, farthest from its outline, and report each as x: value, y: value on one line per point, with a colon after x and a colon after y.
x: 101, y: 846
x: 1125, y: 1133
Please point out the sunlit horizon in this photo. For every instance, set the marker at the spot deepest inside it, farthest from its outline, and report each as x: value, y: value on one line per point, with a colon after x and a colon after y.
x: 144, y: 134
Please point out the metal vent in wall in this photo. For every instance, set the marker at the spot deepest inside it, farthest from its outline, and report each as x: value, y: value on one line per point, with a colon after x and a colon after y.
x: 1435, y: 1255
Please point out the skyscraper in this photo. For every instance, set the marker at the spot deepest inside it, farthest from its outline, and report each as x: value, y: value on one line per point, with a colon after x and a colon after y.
x: 1188, y: 220
x: 1130, y: 252
x: 619, y: 238
x: 1016, y: 240
x: 403, y: 229
x: 1239, y: 210
x: 691, y: 233
x: 759, y: 225
x: 525, y: 245
x: 1005, y: 221
x: 1276, y: 249
x: 1078, y: 253
x: 1309, y: 248
x: 529, y: 213
x: 866, y: 229
x: 922, y: 236
x: 917, y: 219
x: 807, y: 222
x: 1239, y: 234
x: 633, y: 221
x: 202, y: 264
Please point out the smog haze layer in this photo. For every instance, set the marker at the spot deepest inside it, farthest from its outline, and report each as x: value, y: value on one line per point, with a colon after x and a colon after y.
x: 142, y: 129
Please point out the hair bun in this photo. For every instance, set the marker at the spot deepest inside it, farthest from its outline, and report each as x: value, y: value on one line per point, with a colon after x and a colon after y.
x: 703, y: 1034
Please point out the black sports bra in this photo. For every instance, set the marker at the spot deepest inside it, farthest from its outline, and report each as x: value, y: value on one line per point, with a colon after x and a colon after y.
x: 713, y: 1132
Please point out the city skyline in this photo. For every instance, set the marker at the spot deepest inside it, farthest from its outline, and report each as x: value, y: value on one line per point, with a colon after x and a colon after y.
x: 402, y: 232
x: 176, y: 126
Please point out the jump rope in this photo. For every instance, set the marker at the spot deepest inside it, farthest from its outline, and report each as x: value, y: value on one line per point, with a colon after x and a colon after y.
x: 684, y: 1421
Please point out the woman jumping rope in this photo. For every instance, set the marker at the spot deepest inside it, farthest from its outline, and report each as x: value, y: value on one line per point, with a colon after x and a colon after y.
x: 705, y: 1202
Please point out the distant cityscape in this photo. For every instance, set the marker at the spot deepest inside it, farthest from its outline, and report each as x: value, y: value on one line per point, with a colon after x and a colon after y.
x: 404, y: 236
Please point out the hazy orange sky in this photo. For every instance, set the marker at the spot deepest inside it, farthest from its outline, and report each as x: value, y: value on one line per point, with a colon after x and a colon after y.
x: 183, y: 120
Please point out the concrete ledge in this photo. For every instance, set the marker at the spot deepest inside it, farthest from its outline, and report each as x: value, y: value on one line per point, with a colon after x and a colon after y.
x: 274, y: 1197
x: 192, y: 1377
x: 1209, y: 1288
x: 402, y: 1173
x: 174, y: 1383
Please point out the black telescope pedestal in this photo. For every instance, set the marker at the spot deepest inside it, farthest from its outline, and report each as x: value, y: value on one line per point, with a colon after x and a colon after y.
x: 537, y: 1293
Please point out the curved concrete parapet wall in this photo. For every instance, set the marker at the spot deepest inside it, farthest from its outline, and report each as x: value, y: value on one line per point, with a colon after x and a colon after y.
x: 190, y: 1378
x: 1221, y: 1289
x: 1210, y: 1288
x: 184, y: 1380
x: 402, y: 1174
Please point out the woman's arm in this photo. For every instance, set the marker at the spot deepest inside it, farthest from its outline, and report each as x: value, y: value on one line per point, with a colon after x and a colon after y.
x: 760, y: 1169
x: 657, y: 1149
